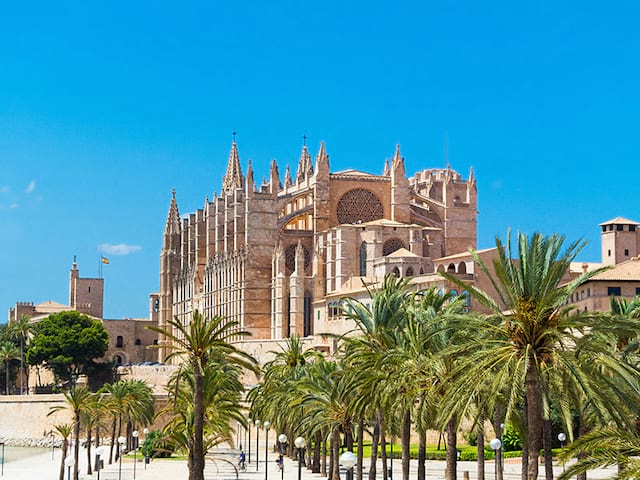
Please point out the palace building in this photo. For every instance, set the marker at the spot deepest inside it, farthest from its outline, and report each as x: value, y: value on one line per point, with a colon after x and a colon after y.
x: 269, y: 255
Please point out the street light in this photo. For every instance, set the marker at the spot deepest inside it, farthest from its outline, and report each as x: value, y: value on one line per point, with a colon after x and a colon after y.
x: 300, y: 443
x: 266, y: 426
x: 495, y: 445
x: 69, y: 462
x: 257, y: 424
x: 2, y: 459
x: 99, y: 452
x: 121, y: 441
x: 282, y: 439
x: 134, y: 434
x: 502, y: 448
x: 348, y: 460
x: 562, y: 437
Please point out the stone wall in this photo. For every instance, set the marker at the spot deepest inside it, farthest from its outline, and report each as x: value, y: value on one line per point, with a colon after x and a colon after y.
x: 26, y: 417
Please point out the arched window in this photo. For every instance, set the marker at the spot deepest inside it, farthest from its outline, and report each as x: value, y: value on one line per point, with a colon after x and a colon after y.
x: 395, y: 271
x: 451, y: 268
x: 117, y: 359
x: 363, y: 259
x: 454, y: 293
x: 359, y: 206
x: 392, y: 245
x: 138, y: 341
x: 119, y: 341
x: 462, y: 268
x: 421, y: 271
x: 409, y: 272
x: 441, y: 268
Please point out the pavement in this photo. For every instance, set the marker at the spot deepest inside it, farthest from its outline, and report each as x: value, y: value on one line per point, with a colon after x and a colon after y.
x: 221, y: 466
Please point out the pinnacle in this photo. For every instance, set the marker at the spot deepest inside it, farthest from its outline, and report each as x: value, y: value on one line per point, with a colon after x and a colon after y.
x: 233, y: 178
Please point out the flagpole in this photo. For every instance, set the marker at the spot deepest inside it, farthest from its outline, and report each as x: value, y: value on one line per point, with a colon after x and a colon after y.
x: 100, y: 266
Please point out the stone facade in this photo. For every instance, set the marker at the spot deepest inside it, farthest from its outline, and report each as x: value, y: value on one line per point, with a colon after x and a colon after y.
x: 269, y: 255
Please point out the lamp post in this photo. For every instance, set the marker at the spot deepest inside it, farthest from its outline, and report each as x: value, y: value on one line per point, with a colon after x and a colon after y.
x: 495, y: 445
x: 562, y: 437
x: 257, y: 424
x: 348, y: 460
x: 2, y: 459
x: 502, y: 449
x: 121, y: 441
x: 69, y: 462
x: 266, y: 426
x: 282, y: 439
x: 145, y: 431
x: 99, y: 452
x: 134, y: 434
x: 300, y: 443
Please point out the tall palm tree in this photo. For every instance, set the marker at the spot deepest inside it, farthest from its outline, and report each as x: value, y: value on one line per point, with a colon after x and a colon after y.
x: 8, y: 352
x: 21, y: 330
x: 78, y: 401
x: 197, y: 344
x: 529, y: 333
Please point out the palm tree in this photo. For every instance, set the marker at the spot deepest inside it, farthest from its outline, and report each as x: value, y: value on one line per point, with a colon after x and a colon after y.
x: 529, y: 333
x: 78, y: 400
x: 64, y: 430
x: 199, y: 343
x: 21, y: 330
x: 8, y: 352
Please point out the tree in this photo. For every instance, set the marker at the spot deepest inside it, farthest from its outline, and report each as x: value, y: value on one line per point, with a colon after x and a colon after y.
x: 21, y: 330
x: 64, y: 430
x: 67, y: 343
x: 8, y: 352
x: 530, y: 336
x: 199, y: 343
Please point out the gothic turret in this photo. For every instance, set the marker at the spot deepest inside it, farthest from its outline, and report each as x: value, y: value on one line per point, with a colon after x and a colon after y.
x: 322, y: 162
x: 274, y: 178
x: 287, y: 177
x: 233, y: 178
x: 399, y: 189
x: 173, y: 217
x: 250, y: 182
x: 305, y: 168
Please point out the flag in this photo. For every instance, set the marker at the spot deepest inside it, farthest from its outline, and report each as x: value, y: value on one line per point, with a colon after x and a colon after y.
x: 104, y: 260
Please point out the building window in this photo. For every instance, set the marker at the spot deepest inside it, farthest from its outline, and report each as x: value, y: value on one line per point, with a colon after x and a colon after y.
x: 363, y: 259
x: 396, y: 272
x: 119, y: 341
x: 608, y: 253
x: 613, y: 291
x: 626, y: 252
x: 604, y: 228
x: 632, y: 228
x: 138, y: 341
x: 637, y: 291
x: 619, y: 228
x: 156, y: 305
x: 89, y: 289
x: 409, y: 272
x: 155, y: 342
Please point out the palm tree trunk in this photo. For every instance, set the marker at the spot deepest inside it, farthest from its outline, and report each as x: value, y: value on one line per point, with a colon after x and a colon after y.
x: 198, y: 426
x: 452, y: 452
x: 374, y: 447
x: 525, y: 445
x: 65, y: 447
x: 480, y: 444
x: 534, y: 421
x: 335, y: 453
x: 406, y: 443
x: 6, y: 378
x: 76, y: 446
x: 548, y: 455
x: 383, y: 451
x: 315, y: 466
x: 89, y: 472
x: 97, y: 463
x: 323, y: 460
x: 582, y: 431
x: 360, y: 447
x: 21, y: 365
x: 113, y: 440
x: 422, y: 453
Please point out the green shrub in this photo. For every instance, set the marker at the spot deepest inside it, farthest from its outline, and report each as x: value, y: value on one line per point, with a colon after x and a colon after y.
x: 154, y: 447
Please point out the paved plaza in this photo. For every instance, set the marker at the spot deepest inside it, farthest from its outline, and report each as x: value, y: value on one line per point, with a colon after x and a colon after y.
x: 43, y: 467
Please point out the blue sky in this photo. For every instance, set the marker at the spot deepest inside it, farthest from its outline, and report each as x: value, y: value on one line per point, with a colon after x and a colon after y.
x: 105, y: 107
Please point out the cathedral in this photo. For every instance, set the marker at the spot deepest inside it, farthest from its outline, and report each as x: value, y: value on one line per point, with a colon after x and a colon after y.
x: 269, y: 255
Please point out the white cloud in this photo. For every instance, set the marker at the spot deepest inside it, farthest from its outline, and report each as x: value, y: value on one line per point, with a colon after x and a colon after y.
x: 31, y: 187
x: 119, y: 249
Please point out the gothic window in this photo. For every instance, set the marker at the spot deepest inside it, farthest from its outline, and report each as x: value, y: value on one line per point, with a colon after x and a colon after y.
x: 138, y: 341
x: 395, y: 271
x: 363, y: 259
x: 462, y: 268
x: 359, y: 206
x: 119, y: 341
x: 451, y: 268
x: 409, y: 272
x: 392, y: 245
x: 290, y: 258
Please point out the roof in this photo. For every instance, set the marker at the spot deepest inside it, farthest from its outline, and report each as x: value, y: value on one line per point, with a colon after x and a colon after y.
x: 352, y: 171
x: 626, y: 271
x: 464, y: 254
x: 402, y: 252
x: 619, y: 220
x: 579, y: 267
x: 51, y: 307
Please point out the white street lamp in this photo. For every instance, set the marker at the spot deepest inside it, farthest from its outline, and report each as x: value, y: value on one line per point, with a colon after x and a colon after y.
x: 134, y: 434
x: 266, y: 426
x: 121, y: 441
x: 300, y: 443
x: 69, y: 462
x: 282, y: 439
x: 257, y: 423
x: 100, y: 451
x: 495, y: 445
x: 562, y: 437
x: 348, y: 460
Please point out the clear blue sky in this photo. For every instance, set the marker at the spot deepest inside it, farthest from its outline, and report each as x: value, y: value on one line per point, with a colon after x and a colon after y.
x: 105, y: 107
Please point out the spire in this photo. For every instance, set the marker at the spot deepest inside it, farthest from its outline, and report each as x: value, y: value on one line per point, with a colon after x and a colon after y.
x: 387, y: 170
x: 173, y: 217
x: 287, y: 177
x: 397, y: 165
x: 305, y: 169
x: 233, y: 179
x: 274, y: 178
x: 322, y: 160
x: 472, y: 176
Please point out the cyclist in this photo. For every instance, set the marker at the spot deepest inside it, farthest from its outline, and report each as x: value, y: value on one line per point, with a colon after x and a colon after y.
x: 243, y: 461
